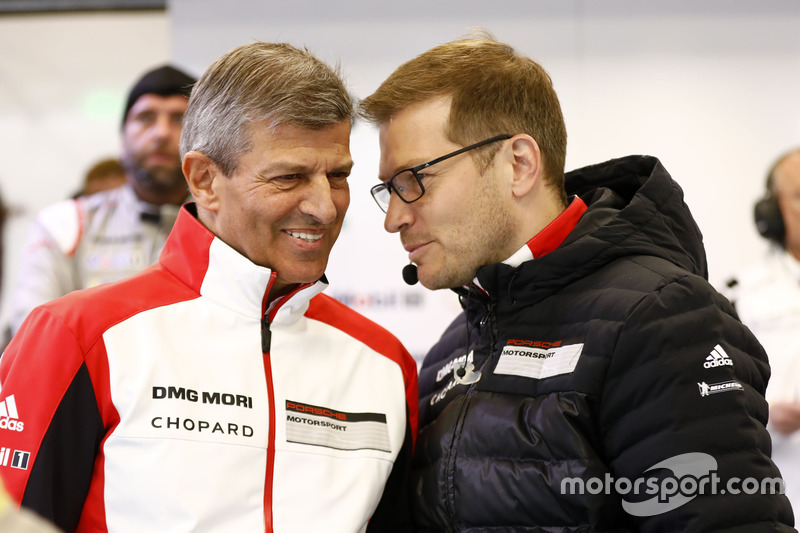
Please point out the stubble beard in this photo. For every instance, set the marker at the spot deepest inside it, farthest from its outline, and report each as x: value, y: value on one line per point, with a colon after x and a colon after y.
x: 481, y: 240
x: 157, y: 179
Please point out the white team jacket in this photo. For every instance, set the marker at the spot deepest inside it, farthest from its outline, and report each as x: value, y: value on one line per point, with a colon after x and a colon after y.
x: 164, y: 402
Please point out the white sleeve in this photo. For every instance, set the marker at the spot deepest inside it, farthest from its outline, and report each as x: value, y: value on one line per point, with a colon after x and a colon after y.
x: 46, y: 269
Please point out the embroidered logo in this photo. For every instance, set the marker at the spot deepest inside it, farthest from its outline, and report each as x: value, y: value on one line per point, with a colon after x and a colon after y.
x: 459, y: 362
x: 707, y: 389
x: 717, y: 357
x: 537, y: 361
x: 322, y: 426
x: 20, y: 459
x: 9, y: 416
x: 465, y: 373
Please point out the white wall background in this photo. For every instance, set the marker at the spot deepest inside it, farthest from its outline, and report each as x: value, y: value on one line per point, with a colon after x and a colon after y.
x: 708, y: 86
x: 63, y: 84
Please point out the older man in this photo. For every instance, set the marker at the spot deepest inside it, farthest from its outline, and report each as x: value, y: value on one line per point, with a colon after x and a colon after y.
x: 218, y: 390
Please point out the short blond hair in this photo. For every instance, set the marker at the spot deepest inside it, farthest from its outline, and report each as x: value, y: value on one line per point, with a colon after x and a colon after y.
x: 494, y: 90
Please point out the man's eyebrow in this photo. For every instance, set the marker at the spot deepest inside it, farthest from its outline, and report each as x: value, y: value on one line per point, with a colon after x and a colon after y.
x: 398, y: 169
x: 287, y: 167
x: 405, y: 166
x: 344, y: 167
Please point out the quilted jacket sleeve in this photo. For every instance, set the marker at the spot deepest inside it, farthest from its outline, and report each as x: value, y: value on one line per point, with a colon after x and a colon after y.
x: 685, y: 394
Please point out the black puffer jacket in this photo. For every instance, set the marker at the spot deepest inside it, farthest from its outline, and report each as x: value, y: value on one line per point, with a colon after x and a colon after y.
x: 598, y: 361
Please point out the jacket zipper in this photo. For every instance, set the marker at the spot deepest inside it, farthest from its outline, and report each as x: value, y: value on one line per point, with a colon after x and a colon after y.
x: 462, y: 414
x: 266, y: 345
x: 266, y: 334
x: 266, y: 342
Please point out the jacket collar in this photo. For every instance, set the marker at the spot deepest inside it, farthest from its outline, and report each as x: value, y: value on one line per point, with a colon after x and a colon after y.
x: 551, y: 236
x: 634, y: 209
x: 544, y: 242
x: 219, y: 273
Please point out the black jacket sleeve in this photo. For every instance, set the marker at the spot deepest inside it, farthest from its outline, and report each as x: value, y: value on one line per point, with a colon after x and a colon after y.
x: 685, y: 394
x: 60, y: 477
x: 393, y: 513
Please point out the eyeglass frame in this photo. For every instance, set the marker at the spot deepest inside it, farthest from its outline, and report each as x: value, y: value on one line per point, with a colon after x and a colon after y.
x: 387, y: 185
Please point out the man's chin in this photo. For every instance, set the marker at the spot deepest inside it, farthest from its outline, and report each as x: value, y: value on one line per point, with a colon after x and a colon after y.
x: 436, y: 281
x: 159, y: 179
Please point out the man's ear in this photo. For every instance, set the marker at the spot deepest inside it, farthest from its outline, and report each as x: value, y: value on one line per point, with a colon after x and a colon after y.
x: 200, y: 172
x: 526, y: 164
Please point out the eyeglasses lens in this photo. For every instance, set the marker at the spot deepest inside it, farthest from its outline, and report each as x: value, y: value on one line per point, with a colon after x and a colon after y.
x: 407, y: 186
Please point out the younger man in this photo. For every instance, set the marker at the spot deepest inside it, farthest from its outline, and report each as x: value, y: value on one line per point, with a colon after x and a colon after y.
x: 591, y: 345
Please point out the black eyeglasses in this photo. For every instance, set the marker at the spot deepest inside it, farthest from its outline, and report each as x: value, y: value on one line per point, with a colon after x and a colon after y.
x: 407, y: 183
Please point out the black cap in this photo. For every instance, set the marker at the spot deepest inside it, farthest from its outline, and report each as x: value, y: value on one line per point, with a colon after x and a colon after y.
x: 163, y: 81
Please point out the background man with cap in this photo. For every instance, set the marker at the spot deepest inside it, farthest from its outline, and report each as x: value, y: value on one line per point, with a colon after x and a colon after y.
x: 83, y: 242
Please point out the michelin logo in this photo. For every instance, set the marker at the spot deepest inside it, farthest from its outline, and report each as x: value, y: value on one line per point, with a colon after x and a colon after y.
x: 707, y: 389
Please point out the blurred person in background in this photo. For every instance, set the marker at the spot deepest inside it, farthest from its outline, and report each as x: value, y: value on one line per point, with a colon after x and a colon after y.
x: 104, y: 175
x: 4, y: 331
x: 89, y: 240
x: 766, y: 295
x: 3, y: 218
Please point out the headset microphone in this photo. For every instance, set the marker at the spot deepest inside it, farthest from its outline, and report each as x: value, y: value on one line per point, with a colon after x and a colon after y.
x: 410, y: 274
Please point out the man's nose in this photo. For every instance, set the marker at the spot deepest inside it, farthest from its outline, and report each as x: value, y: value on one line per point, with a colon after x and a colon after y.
x: 398, y: 214
x: 164, y: 127
x: 318, y: 201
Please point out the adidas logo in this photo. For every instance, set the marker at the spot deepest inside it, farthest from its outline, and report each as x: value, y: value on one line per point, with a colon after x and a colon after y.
x: 717, y: 357
x: 9, y: 417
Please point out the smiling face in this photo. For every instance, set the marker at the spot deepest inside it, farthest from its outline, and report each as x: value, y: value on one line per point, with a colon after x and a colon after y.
x: 284, y: 205
x: 462, y: 221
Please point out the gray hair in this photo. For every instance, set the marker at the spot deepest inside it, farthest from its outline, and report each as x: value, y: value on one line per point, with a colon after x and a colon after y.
x: 273, y: 82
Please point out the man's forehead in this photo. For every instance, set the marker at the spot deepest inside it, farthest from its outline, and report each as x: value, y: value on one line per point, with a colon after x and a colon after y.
x: 293, y: 146
x: 291, y: 134
x: 413, y: 136
x: 151, y: 100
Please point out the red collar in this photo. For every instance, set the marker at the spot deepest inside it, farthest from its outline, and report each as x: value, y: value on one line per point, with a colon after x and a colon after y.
x: 551, y: 236
x: 554, y: 233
